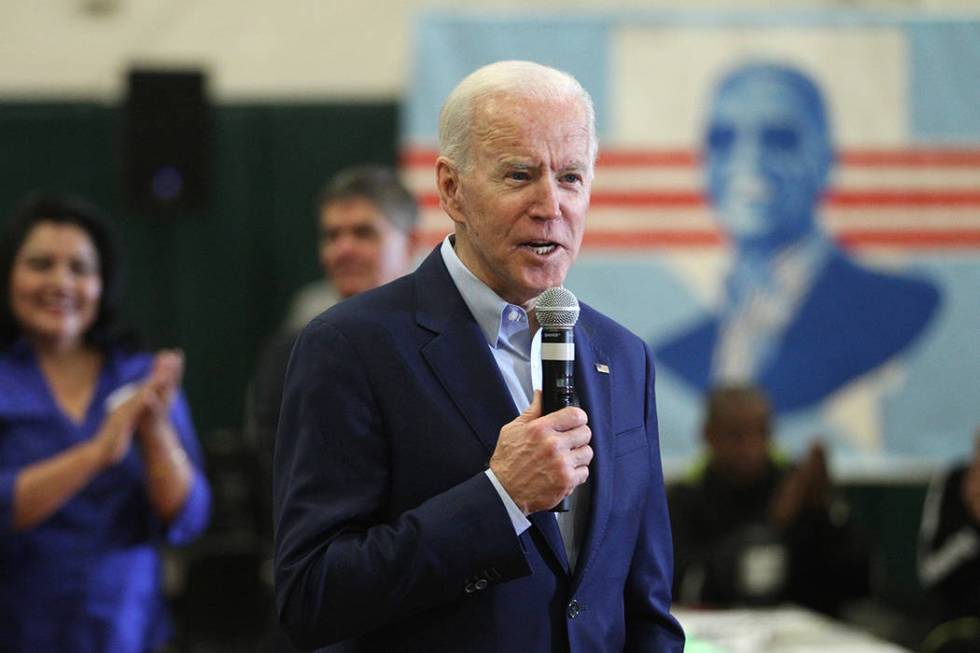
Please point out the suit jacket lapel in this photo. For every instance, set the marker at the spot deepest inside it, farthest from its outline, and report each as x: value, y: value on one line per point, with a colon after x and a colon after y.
x: 461, y: 360
x: 546, y: 523
x: 594, y: 394
x: 459, y: 355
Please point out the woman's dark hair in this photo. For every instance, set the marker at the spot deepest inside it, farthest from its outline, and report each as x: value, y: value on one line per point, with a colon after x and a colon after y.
x: 60, y: 209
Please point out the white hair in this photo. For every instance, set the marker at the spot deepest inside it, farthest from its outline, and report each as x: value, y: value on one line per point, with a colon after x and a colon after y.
x: 515, y: 78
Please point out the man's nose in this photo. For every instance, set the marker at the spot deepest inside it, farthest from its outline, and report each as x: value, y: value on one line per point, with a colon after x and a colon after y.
x: 747, y: 151
x: 343, y: 244
x: 547, y: 204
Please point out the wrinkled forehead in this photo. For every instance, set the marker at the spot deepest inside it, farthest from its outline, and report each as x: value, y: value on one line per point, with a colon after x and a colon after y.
x: 768, y: 100
x: 509, y: 120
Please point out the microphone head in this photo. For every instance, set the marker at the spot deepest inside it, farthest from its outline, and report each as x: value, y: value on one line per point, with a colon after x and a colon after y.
x: 556, y: 308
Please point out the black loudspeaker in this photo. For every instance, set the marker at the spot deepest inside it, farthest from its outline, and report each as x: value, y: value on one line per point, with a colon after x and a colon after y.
x: 166, y: 138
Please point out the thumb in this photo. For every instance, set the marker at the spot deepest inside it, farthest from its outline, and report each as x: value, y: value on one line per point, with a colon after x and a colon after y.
x: 533, y: 411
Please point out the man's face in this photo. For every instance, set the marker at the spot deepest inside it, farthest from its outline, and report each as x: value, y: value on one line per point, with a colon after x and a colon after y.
x: 739, y: 441
x: 767, y: 161
x: 520, y: 207
x: 360, y: 248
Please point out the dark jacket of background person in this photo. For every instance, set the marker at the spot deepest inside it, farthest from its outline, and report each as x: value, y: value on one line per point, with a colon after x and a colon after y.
x: 750, y: 528
x: 949, y: 547
x: 949, y: 558
x: 715, y: 523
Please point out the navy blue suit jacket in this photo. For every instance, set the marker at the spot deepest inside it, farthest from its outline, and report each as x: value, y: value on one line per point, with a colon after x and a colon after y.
x: 388, y: 531
x: 853, y: 320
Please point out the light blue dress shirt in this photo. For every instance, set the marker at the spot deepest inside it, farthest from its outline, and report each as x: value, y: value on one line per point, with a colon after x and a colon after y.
x: 507, y: 330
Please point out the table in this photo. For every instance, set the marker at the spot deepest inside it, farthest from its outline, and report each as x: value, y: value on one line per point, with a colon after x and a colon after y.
x: 787, y: 629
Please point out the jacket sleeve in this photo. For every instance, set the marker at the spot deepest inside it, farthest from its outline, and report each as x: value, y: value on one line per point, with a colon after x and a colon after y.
x: 344, y: 564
x: 194, y: 516
x: 649, y: 624
x: 949, y: 541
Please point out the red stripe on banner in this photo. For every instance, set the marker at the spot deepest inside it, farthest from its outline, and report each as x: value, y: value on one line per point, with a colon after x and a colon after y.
x: 939, y: 238
x: 869, y: 199
x: 633, y: 239
x: 910, y: 158
x: 873, y: 198
x: 417, y: 157
x: 630, y: 158
x: 694, y: 238
x: 648, y: 158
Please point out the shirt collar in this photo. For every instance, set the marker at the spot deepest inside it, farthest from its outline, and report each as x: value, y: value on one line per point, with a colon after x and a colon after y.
x: 499, y: 321
x: 788, y: 274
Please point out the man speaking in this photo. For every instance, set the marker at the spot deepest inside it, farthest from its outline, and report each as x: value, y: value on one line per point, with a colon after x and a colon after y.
x: 414, y: 471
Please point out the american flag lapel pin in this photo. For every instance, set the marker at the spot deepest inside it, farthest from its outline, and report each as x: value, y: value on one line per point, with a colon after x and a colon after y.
x: 602, y: 368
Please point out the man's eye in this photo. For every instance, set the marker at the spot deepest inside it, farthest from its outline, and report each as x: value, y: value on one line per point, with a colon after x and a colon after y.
x: 781, y: 138
x: 571, y: 178
x: 720, y: 138
x: 518, y: 175
x: 365, y: 232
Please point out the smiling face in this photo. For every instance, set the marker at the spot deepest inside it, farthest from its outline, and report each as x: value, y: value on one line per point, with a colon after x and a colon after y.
x: 519, y: 207
x: 55, y: 284
x: 767, y: 156
x: 360, y: 248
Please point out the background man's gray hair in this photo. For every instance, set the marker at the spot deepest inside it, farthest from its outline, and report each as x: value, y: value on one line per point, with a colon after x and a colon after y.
x: 378, y: 184
x: 516, y: 78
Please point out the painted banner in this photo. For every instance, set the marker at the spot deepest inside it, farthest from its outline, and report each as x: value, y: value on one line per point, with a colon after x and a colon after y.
x: 791, y: 200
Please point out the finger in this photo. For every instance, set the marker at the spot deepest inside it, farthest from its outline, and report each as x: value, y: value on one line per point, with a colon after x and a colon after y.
x: 567, y: 419
x: 167, y: 366
x: 581, y: 456
x: 576, y: 437
x: 533, y: 411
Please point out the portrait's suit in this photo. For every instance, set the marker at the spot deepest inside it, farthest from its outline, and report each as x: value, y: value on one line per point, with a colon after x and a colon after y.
x: 388, y: 530
x: 852, y: 320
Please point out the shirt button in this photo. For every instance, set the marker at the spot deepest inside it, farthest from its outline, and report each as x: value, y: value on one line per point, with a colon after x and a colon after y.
x: 513, y: 317
x: 574, y: 608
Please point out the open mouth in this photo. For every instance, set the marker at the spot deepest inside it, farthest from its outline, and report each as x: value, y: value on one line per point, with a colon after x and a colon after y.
x: 541, y: 247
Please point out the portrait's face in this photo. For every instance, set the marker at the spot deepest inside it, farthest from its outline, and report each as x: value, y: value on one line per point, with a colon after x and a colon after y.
x: 360, y: 248
x: 520, y: 207
x: 739, y: 441
x: 56, y: 284
x: 767, y: 161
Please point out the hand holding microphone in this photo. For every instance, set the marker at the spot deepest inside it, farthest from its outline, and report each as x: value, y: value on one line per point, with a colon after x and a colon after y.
x: 544, y: 454
x: 557, y: 312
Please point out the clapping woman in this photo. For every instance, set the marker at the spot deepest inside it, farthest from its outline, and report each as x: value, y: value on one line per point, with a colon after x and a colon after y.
x: 99, y: 463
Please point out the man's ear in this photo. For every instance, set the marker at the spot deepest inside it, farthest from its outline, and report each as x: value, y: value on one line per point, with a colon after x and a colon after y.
x: 448, y: 183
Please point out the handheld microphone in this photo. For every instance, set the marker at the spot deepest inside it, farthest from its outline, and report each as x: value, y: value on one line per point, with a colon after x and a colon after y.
x: 557, y: 312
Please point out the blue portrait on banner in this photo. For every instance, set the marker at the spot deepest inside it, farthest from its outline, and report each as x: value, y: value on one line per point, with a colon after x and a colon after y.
x: 798, y: 316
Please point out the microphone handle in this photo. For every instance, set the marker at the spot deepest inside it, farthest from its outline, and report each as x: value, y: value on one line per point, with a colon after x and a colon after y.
x: 557, y: 375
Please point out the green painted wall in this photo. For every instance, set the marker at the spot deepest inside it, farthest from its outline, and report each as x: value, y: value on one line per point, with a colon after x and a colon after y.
x: 214, y: 282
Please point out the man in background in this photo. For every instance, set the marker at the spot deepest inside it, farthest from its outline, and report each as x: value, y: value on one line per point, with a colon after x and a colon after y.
x: 949, y: 555
x: 366, y: 222
x: 366, y: 236
x: 751, y: 529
